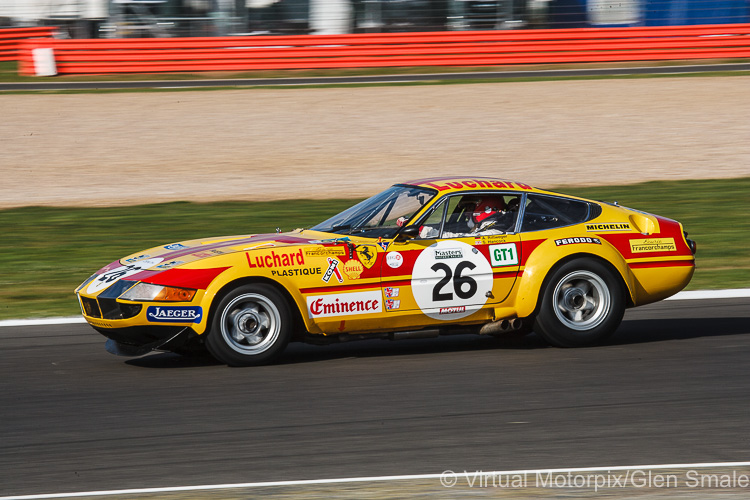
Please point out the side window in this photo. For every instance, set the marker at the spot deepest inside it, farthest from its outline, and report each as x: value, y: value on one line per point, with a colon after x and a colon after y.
x: 548, y: 212
x: 458, y: 216
x: 471, y: 215
x: 430, y: 227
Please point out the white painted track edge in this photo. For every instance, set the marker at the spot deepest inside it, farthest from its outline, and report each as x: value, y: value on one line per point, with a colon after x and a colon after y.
x: 306, y: 482
x: 738, y: 293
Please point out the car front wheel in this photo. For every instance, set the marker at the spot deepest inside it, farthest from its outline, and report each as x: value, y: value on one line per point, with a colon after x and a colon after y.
x: 583, y: 304
x: 250, y: 326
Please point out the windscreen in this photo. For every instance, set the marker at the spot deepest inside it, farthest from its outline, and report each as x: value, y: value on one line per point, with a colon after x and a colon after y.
x: 382, y: 215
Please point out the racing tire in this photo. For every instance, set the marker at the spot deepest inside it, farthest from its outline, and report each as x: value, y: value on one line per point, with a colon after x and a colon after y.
x: 582, y: 304
x: 251, y: 326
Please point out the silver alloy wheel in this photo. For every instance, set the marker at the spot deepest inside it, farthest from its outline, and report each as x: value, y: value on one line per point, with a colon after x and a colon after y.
x: 250, y: 324
x: 581, y: 300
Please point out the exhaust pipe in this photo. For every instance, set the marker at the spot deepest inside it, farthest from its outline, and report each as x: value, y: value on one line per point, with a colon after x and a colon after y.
x: 501, y: 326
x: 495, y: 327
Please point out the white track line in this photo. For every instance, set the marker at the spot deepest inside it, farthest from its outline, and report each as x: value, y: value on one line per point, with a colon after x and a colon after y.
x: 739, y: 293
x: 42, y: 321
x: 374, y: 479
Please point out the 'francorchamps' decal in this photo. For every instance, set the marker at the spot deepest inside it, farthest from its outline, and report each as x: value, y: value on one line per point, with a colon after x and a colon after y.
x: 653, y: 245
x: 118, y: 273
x: 174, y: 314
x: 451, y: 280
x: 326, y: 251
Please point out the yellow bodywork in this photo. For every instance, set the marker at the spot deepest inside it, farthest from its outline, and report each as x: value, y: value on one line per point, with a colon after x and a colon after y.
x: 357, y: 284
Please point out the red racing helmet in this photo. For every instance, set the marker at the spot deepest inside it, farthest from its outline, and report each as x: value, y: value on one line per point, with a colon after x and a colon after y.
x: 487, y: 206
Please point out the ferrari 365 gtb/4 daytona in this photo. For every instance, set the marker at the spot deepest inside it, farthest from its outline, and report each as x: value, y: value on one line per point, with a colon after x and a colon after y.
x: 422, y: 258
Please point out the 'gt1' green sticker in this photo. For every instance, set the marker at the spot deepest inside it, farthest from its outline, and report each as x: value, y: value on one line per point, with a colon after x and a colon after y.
x: 503, y: 255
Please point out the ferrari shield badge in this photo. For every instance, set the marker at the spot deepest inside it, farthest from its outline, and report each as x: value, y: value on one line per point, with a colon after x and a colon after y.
x: 367, y: 255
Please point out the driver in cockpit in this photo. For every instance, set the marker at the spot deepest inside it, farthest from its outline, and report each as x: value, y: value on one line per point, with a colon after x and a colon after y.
x: 489, y: 216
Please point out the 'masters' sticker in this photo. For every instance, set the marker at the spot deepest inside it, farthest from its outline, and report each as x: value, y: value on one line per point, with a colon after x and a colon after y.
x: 343, y: 304
x: 653, y: 245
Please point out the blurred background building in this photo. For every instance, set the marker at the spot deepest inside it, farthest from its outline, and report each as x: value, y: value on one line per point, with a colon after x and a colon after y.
x: 177, y: 18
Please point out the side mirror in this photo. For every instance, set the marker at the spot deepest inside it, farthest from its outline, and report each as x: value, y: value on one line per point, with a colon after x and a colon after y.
x: 408, y: 233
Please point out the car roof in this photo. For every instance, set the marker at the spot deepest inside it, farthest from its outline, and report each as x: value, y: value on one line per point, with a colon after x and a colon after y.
x: 456, y: 184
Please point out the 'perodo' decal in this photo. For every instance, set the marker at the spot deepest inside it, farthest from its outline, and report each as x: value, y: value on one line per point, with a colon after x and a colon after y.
x: 451, y: 280
x: 118, y: 273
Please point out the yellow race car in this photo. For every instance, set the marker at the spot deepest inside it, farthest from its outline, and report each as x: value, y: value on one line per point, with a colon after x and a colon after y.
x: 423, y: 258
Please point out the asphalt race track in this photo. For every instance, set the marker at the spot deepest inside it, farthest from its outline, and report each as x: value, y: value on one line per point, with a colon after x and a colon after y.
x: 670, y: 387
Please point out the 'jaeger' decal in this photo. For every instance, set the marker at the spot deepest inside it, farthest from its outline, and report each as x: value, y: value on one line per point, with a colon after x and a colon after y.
x: 174, y: 314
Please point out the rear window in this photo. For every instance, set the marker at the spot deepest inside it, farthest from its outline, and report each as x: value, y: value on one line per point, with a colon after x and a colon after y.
x: 548, y: 212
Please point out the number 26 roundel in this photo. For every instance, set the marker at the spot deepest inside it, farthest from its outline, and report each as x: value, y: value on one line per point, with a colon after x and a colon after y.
x: 451, y: 280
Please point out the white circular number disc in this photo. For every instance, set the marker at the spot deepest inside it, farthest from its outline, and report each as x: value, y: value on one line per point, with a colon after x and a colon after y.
x: 108, y: 278
x: 451, y: 280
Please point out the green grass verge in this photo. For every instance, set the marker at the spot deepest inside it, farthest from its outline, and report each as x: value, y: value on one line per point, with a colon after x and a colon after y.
x: 46, y: 252
x: 9, y: 74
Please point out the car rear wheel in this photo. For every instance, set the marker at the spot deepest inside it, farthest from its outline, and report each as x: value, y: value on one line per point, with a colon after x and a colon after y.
x: 251, y: 326
x: 583, y: 304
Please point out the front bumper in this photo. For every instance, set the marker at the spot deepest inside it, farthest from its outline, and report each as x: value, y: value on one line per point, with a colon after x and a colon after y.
x: 176, y: 342
x: 139, y: 336
x: 135, y: 328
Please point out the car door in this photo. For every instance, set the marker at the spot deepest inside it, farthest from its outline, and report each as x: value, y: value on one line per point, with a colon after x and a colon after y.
x: 448, y: 272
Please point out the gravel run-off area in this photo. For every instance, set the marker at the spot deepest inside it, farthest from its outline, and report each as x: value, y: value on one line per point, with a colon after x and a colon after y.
x: 256, y: 144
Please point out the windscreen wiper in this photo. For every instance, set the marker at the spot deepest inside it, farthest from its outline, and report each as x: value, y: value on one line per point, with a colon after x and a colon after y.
x: 342, y: 227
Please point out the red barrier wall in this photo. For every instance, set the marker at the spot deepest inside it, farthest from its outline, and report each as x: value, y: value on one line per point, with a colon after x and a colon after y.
x: 11, y: 38
x: 465, y: 48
